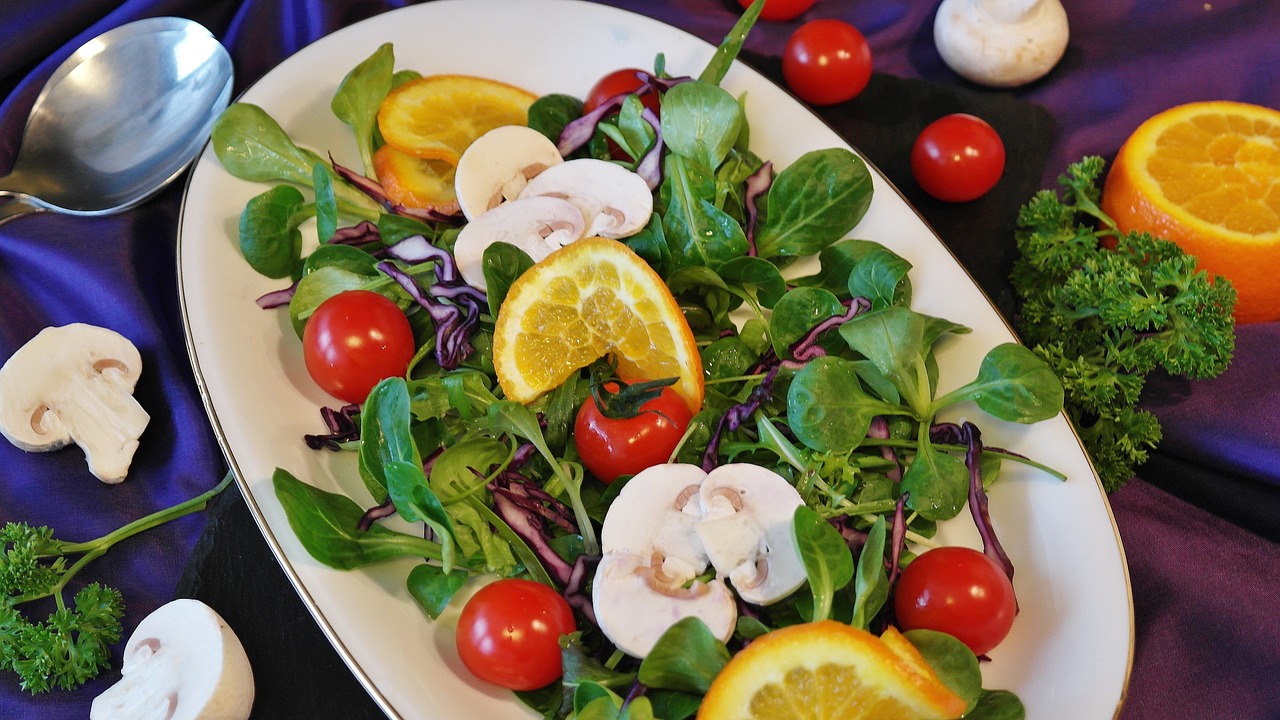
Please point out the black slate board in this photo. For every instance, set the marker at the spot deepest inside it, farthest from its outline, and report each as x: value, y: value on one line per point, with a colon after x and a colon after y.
x: 300, y: 675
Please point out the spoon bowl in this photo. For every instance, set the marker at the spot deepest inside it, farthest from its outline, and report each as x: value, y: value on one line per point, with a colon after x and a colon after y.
x: 119, y: 120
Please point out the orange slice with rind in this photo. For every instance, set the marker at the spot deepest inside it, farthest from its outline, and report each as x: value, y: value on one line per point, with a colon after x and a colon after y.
x: 436, y: 117
x: 591, y: 299
x: 1206, y: 175
x: 828, y: 670
x: 414, y: 182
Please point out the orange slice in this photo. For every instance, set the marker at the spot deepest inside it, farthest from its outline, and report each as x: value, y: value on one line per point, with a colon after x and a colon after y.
x: 828, y: 670
x: 414, y: 182
x: 1206, y: 175
x: 592, y: 298
x: 436, y: 117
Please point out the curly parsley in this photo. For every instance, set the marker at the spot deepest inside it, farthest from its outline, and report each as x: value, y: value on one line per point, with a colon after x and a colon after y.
x: 1105, y: 309
x: 73, y: 644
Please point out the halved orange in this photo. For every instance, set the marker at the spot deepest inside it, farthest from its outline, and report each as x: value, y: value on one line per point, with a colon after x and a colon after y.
x: 587, y: 300
x: 1206, y: 175
x: 437, y: 116
x: 827, y: 671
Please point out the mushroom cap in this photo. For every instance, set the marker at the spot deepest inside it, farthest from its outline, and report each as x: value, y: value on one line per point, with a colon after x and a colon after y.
x: 614, y: 201
x: 182, y: 663
x: 497, y: 165
x: 1001, y: 43
x: 74, y: 383
x: 536, y: 225
x: 746, y: 531
x: 634, y: 609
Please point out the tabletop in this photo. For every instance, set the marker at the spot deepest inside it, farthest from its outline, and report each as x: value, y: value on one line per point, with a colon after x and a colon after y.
x: 1199, y: 523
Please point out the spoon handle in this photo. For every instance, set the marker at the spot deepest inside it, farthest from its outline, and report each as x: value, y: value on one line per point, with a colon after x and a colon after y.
x: 14, y: 205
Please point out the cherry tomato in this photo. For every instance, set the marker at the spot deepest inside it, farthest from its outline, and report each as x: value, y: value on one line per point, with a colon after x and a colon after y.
x: 826, y: 62
x: 509, y: 633
x: 957, y: 158
x: 780, y: 9
x: 611, y: 448
x: 617, y: 82
x: 958, y: 591
x: 354, y: 340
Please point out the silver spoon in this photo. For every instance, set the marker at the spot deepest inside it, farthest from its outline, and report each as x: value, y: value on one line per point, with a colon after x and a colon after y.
x: 119, y: 119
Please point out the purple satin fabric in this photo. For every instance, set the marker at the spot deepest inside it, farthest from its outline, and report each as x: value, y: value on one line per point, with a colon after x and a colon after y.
x: 1207, y: 644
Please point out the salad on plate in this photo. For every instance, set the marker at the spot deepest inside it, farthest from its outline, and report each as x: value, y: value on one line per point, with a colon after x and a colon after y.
x: 644, y: 395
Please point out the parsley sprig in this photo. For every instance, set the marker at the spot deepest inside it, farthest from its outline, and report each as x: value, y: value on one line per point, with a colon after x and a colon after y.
x: 1105, y: 309
x: 73, y: 644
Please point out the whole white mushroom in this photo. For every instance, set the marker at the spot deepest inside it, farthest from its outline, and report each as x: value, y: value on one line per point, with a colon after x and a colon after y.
x: 1001, y: 43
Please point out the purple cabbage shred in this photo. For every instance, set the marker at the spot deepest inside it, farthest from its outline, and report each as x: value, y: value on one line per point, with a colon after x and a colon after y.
x: 343, y: 425
x: 757, y: 185
x: 455, y: 321
x: 513, y: 502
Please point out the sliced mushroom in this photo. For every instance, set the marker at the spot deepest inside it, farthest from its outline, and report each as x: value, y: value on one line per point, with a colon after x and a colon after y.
x: 536, y: 225
x: 656, y: 513
x: 635, y: 605
x: 1001, y: 43
x: 614, y: 201
x: 665, y: 527
x: 497, y: 165
x: 746, y: 530
x: 182, y: 663
x: 75, y: 383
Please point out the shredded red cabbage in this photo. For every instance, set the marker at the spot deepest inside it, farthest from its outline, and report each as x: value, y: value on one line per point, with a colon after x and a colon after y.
x: 343, y: 424
x: 374, y: 189
x: 528, y: 522
x: 455, y: 321
x: 757, y: 184
x: 969, y: 434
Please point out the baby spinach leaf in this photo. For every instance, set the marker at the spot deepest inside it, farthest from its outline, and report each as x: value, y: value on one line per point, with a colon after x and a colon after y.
x: 827, y: 407
x: 881, y: 277
x: 796, y: 313
x: 1013, y: 384
x: 893, y: 339
x: 384, y: 437
x: 997, y: 705
x: 814, y: 202
x: 828, y: 564
x: 700, y: 122
x: 433, y: 588
x: 344, y: 257
x: 326, y: 203
x: 502, y: 264
x: 729, y: 48
x: 938, y: 482
x: 697, y: 232
x: 318, y: 286
x: 550, y: 113
x: 251, y: 145
x: 953, y: 662
x: 415, y: 502
x: 835, y: 264
x: 871, y: 583
x: 327, y: 525
x: 359, y: 96
x: 687, y: 657
x: 269, y: 237
x: 756, y: 273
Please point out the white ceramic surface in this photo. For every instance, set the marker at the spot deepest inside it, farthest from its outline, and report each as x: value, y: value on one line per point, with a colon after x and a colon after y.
x: 1070, y: 651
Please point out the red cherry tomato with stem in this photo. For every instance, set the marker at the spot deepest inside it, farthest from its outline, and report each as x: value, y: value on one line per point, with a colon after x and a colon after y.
x: 958, y: 158
x: 826, y: 62
x: 958, y: 591
x: 354, y: 340
x: 509, y: 633
x: 780, y: 9
x: 610, y: 448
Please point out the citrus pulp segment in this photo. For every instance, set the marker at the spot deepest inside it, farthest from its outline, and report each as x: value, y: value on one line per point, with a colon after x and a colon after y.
x: 592, y: 298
